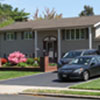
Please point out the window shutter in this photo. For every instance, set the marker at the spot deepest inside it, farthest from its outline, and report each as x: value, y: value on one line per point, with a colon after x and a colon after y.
x: 15, y: 35
x: 33, y: 35
x: 63, y: 34
x: 87, y: 33
x: 5, y: 36
x: 22, y: 35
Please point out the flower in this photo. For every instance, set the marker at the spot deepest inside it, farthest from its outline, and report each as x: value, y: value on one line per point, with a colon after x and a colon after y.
x: 3, y: 60
x: 17, y: 57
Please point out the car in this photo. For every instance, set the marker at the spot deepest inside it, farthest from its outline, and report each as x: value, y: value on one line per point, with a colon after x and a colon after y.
x: 82, y: 67
x: 75, y: 53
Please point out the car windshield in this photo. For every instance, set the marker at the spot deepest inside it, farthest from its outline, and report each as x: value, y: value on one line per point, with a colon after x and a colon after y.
x: 72, y: 54
x: 81, y: 61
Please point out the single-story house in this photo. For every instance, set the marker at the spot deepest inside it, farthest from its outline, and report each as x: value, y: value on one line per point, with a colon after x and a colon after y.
x: 55, y: 37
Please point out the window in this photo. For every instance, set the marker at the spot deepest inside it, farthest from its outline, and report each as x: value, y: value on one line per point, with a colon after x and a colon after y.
x: 94, y: 61
x: 82, y: 36
x: 28, y: 35
x: 10, y: 36
x: 72, y: 54
x: 75, y: 34
x: 98, y: 58
x: 72, y: 34
x: 81, y: 61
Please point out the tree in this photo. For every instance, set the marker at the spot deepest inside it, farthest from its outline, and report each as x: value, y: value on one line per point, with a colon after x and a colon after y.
x: 47, y: 14
x: 19, y: 15
x: 88, y: 11
x: 7, y: 11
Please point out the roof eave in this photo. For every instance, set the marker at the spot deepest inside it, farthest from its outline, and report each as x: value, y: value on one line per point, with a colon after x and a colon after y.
x: 97, y: 24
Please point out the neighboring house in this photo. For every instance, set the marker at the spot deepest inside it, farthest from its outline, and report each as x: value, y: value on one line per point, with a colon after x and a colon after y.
x: 54, y: 37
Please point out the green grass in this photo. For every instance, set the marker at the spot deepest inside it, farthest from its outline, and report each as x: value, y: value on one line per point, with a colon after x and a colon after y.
x: 14, y: 74
x: 64, y: 92
x: 92, y: 85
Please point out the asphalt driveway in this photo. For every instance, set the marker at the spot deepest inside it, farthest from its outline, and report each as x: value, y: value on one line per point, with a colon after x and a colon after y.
x: 46, y: 79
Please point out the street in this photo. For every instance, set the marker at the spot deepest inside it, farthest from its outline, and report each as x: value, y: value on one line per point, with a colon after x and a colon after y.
x: 18, y: 97
x: 45, y: 79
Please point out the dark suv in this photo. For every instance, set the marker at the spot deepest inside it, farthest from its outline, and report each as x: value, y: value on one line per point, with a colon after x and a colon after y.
x: 75, y: 53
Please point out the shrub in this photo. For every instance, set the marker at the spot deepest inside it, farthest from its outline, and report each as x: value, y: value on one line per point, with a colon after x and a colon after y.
x: 3, y: 60
x: 6, y: 64
x: 17, y: 57
x: 30, y: 61
x: 22, y: 64
x: 52, y: 64
x: 35, y: 64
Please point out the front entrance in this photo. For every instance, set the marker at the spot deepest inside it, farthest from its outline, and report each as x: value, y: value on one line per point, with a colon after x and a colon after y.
x: 50, y: 48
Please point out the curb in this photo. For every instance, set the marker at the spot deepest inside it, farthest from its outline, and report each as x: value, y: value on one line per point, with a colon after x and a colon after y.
x: 60, y: 95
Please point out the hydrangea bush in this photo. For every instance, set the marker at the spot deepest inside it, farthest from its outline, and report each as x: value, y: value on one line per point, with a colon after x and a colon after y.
x: 17, y: 57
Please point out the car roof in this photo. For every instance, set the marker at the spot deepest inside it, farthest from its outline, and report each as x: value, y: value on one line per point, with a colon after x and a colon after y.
x: 89, y: 56
x: 85, y: 50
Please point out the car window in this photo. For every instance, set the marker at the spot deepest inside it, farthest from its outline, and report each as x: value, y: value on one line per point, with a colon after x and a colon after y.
x: 93, y: 60
x: 72, y: 54
x: 90, y: 53
x: 81, y: 60
x: 98, y: 58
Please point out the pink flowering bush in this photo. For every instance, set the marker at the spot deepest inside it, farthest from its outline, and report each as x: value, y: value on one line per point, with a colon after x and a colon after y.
x: 17, y: 57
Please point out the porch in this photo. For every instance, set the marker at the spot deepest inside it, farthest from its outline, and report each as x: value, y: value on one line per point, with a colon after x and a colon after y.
x: 50, y: 42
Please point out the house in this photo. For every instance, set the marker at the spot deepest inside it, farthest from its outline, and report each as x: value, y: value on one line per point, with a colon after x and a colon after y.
x: 54, y: 37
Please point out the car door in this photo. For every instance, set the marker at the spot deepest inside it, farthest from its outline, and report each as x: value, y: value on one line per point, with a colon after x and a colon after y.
x: 98, y: 59
x: 94, y: 68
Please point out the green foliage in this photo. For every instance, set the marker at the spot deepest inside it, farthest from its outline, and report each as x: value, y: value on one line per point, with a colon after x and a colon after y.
x: 6, y: 64
x: 88, y: 11
x: 22, y: 65
x: 7, y: 11
x: 52, y: 64
x: 30, y: 61
x: 7, y: 22
x: 35, y: 64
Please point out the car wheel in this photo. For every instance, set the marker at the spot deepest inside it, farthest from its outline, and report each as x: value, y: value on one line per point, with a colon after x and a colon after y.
x: 85, y: 75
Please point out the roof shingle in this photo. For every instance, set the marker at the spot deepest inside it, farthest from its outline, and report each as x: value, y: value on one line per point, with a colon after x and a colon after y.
x: 54, y: 23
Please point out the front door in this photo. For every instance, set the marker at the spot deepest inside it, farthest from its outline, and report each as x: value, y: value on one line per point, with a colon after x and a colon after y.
x: 50, y: 47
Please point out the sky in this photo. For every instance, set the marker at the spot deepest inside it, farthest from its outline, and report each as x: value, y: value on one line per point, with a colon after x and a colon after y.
x: 69, y: 8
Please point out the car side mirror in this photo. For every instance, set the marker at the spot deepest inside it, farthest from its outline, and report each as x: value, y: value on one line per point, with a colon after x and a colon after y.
x: 92, y: 64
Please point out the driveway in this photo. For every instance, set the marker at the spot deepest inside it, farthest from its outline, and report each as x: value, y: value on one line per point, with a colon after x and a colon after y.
x: 46, y: 79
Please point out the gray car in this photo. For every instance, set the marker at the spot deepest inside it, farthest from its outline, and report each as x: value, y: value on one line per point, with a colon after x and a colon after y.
x: 75, y: 53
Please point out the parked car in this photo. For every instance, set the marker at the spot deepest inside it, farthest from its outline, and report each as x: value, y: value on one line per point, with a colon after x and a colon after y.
x: 82, y: 67
x: 75, y: 53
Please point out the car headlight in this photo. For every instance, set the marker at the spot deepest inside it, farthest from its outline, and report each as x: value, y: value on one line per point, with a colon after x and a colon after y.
x: 78, y: 70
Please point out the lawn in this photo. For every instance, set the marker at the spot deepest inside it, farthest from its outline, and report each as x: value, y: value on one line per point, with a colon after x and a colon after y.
x: 63, y: 92
x: 91, y: 85
x: 14, y: 74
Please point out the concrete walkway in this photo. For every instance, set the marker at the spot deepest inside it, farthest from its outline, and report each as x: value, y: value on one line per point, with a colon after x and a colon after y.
x: 15, y: 89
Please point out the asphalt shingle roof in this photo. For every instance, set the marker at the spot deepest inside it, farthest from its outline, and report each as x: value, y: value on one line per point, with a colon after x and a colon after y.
x: 54, y: 23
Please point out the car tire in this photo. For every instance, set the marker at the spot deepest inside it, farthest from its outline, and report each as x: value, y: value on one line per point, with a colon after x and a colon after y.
x: 61, y: 78
x: 85, y: 75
